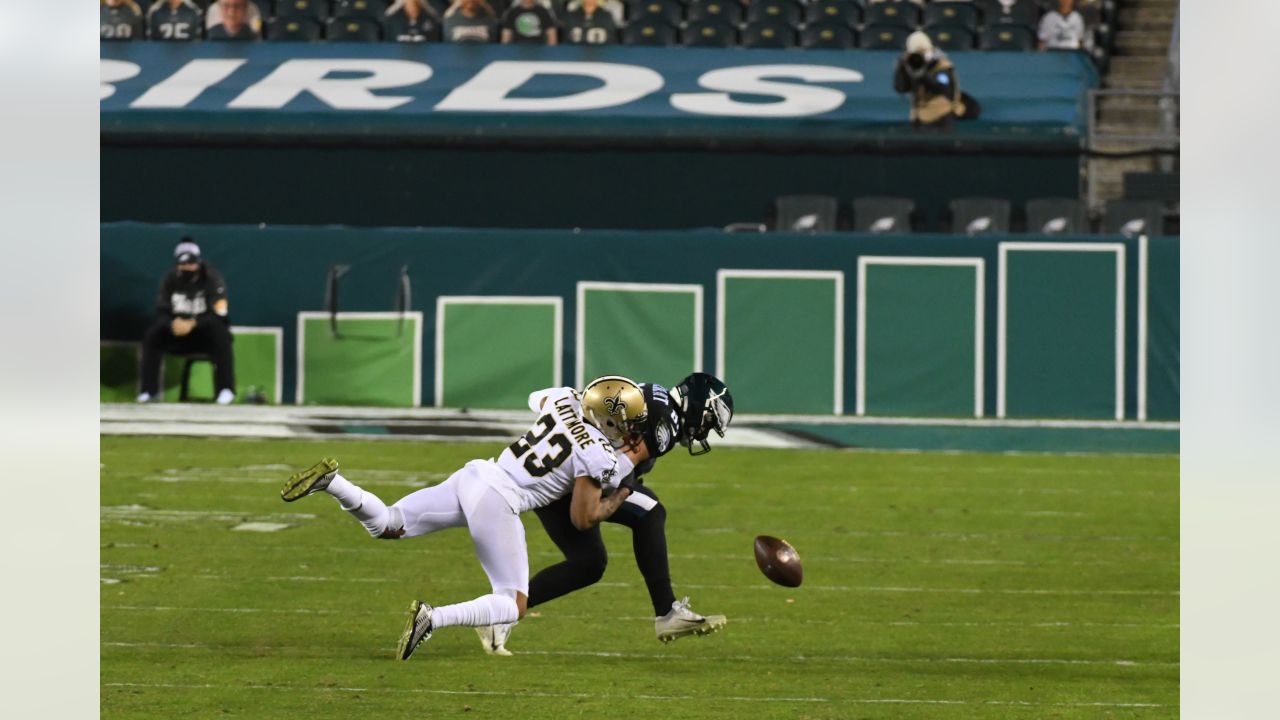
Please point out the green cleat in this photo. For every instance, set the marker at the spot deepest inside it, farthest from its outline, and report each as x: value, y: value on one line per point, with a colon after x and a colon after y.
x: 312, y: 480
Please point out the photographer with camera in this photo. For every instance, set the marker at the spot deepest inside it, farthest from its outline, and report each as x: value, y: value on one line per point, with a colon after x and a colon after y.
x: 925, y: 72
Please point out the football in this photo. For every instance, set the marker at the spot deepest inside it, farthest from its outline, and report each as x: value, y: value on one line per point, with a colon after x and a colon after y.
x: 779, y: 561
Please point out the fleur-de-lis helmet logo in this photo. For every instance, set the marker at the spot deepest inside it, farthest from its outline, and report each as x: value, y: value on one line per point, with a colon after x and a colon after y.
x: 616, y: 405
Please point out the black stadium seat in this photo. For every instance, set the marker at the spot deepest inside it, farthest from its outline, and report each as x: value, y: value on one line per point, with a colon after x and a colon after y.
x: 883, y: 37
x: 652, y: 31
x: 976, y: 216
x: 355, y: 29
x: 848, y: 12
x: 297, y: 29
x: 784, y: 11
x: 669, y: 11
x: 805, y: 213
x: 950, y: 37
x: 712, y: 32
x: 372, y: 9
x: 314, y: 9
x: 1007, y: 37
x: 902, y: 14
x: 1020, y: 12
x: 951, y: 13
x: 768, y: 34
x: 728, y: 11
x: 830, y: 35
x: 883, y: 214
x: 1133, y: 217
x: 1053, y: 216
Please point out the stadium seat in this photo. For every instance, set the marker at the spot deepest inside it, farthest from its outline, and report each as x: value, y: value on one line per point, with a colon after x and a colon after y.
x: 669, y: 11
x: 883, y: 214
x: 1007, y: 37
x: 726, y: 11
x: 711, y: 32
x: 1020, y: 12
x: 372, y: 9
x: 976, y: 216
x: 962, y: 14
x: 354, y: 29
x: 653, y: 31
x: 1133, y: 217
x: 950, y: 37
x: 1053, y: 216
x: 848, y: 12
x: 784, y: 11
x: 314, y: 9
x: 805, y: 213
x: 296, y: 29
x: 768, y: 34
x: 902, y: 14
x: 883, y: 37
x: 829, y: 35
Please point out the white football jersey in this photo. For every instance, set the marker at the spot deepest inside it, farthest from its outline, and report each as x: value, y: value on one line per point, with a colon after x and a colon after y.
x: 543, y: 464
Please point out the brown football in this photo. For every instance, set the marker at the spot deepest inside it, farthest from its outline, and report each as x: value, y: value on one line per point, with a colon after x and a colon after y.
x: 779, y: 561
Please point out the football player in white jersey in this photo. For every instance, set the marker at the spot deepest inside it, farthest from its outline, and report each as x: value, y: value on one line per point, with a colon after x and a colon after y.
x: 582, y: 446
x: 685, y: 416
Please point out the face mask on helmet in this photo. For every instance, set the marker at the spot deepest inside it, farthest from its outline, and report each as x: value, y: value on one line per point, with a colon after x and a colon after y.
x: 705, y: 405
x: 616, y: 407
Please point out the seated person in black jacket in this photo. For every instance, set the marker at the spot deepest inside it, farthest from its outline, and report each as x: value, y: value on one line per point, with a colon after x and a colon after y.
x: 191, y: 319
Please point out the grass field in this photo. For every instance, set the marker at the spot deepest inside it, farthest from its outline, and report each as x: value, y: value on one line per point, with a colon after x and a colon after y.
x: 936, y: 586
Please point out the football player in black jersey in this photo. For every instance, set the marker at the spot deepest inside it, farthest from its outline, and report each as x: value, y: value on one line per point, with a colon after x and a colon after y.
x: 685, y: 416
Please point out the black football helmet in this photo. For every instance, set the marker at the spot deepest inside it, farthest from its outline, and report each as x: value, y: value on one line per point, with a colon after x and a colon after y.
x: 705, y: 405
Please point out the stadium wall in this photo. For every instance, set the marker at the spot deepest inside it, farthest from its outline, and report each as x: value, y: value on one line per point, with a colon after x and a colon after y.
x: 922, y: 325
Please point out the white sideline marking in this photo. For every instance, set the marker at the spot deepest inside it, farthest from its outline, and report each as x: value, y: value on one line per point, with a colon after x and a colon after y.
x: 261, y: 526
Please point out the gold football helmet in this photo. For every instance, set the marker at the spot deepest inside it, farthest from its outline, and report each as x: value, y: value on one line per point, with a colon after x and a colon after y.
x: 615, y: 406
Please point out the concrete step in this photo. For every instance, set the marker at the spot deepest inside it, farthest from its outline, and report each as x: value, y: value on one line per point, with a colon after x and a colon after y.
x: 1136, y: 42
x: 1130, y: 15
x: 1169, y: 5
x: 1139, y: 67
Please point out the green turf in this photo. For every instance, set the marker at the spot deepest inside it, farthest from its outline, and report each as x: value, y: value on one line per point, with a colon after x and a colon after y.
x: 936, y: 586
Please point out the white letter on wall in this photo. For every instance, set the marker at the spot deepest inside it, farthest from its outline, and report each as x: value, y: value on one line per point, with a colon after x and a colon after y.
x: 488, y: 90
x: 295, y: 77
x: 180, y: 88
x: 797, y: 100
x: 114, y: 71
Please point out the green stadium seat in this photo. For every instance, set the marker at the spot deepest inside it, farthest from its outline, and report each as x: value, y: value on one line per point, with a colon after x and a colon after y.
x: 805, y: 213
x: 902, y: 14
x: 651, y: 30
x: 829, y: 35
x: 1053, y: 216
x: 847, y: 12
x: 314, y: 9
x: 372, y: 9
x: 890, y: 215
x: 1006, y: 37
x: 1133, y: 217
x: 669, y: 11
x: 784, y: 11
x: 950, y: 37
x: 711, y: 32
x: 768, y: 34
x: 725, y: 11
x: 979, y: 216
x: 883, y: 37
x: 296, y: 29
x: 353, y: 29
x: 962, y: 14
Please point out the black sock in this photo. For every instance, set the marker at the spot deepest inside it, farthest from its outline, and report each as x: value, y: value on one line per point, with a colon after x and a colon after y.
x: 649, y: 541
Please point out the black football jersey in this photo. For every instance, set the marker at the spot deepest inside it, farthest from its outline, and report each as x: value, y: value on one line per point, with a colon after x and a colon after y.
x: 401, y: 29
x: 123, y: 22
x: 167, y: 22
x: 599, y: 29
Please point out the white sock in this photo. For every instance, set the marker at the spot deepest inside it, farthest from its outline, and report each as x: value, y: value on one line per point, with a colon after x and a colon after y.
x: 484, y: 610
x: 362, y: 504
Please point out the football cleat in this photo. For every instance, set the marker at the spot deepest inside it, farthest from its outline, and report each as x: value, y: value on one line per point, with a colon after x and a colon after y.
x: 682, y: 621
x: 494, y: 638
x: 312, y: 480
x: 416, y: 631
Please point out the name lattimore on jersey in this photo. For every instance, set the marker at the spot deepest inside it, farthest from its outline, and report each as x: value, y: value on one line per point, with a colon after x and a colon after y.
x: 569, y: 416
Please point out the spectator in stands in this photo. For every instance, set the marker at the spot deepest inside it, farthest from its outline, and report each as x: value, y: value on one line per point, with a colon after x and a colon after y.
x: 121, y: 20
x: 928, y: 76
x: 528, y: 22
x: 191, y: 318
x: 616, y: 8
x: 213, y: 16
x: 235, y: 22
x: 1062, y: 29
x: 412, y: 21
x: 470, y: 21
x: 589, y: 24
x: 174, y: 20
